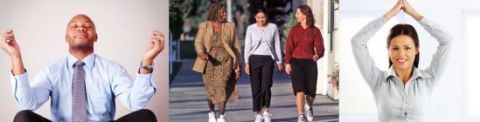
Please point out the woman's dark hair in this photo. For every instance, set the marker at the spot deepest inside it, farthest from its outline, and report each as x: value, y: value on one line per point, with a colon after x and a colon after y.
x: 213, y: 11
x: 307, y: 11
x: 406, y: 30
x: 260, y: 10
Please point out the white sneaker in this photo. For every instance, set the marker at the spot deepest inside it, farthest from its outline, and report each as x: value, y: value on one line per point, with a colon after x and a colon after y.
x: 211, y: 117
x: 301, y: 118
x: 258, y: 118
x: 221, y: 118
x: 267, y: 116
x: 309, y: 111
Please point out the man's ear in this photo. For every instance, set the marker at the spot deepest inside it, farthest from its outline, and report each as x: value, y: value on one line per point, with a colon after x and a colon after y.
x: 96, y: 37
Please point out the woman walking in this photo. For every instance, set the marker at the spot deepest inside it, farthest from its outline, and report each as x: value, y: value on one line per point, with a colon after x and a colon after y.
x: 262, y: 51
x: 218, y: 60
x: 303, y: 48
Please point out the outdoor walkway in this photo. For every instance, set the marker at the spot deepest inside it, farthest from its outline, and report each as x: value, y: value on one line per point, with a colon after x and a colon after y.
x: 188, y: 100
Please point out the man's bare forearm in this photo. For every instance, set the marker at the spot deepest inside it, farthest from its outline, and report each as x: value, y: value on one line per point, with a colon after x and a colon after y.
x: 17, y: 65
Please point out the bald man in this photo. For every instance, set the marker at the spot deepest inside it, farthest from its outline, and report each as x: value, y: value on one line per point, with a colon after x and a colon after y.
x: 82, y: 86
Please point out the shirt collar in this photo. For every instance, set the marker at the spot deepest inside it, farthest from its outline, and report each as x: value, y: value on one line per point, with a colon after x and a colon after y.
x: 390, y: 73
x: 89, y: 60
x: 299, y: 26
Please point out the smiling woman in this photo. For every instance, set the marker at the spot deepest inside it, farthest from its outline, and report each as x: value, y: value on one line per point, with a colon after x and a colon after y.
x: 262, y: 51
x: 403, y: 44
x: 46, y: 32
x: 218, y: 60
x: 399, y: 91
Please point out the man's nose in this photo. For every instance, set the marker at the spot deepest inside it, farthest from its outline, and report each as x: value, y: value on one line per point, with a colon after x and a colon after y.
x: 81, y: 28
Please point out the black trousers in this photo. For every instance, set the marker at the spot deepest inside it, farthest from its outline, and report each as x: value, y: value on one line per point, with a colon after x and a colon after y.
x: 261, y: 75
x: 143, y: 115
x: 304, y: 76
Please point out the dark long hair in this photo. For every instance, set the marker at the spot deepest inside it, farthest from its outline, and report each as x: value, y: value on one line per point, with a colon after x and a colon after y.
x: 307, y: 11
x: 406, y: 30
x: 260, y: 10
x: 213, y: 11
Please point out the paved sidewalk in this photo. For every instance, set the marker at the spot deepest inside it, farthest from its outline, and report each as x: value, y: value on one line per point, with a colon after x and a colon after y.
x: 188, y: 100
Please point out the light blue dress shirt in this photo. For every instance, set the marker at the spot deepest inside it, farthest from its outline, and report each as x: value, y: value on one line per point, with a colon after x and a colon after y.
x: 395, y: 101
x: 105, y: 80
x: 263, y: 41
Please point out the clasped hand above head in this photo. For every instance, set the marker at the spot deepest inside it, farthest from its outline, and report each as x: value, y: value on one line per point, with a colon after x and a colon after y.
x: 406, y: 7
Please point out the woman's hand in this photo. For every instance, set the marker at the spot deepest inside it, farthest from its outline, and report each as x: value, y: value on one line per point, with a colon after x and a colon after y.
x: 238, y: 73
x: 204, y: 56
x: 394, y: 11
x: 279, y: 67
x: 247, y: 69
x: 315, y: 57
x: 410, y: 11
x: 288, y: 69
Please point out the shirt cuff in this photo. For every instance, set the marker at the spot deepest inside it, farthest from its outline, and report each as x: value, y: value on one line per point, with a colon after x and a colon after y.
x: 19, y: 81
x: 145, y: 81
x: 424, y: 21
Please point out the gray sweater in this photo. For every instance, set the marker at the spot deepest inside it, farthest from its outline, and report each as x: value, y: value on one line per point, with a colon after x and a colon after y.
x: 263, y: 41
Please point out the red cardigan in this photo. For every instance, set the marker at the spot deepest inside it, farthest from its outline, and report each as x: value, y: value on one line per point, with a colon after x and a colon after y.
x: 301, y: 43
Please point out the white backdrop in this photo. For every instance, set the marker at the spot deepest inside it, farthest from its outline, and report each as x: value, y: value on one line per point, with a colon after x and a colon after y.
x: 448, y: 101
x: 472, y: 25
x: 123, y: 27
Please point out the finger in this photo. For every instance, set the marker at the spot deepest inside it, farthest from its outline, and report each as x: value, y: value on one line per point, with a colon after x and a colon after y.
x: 157, y: 39
x: 8, y: 31
x: 9, y: 40
x: 9, y: 36
x: 153, y: 39
x: 161, y: 41
x: 2, y: 42
x: 161, y: 37
x: 156, y: 32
